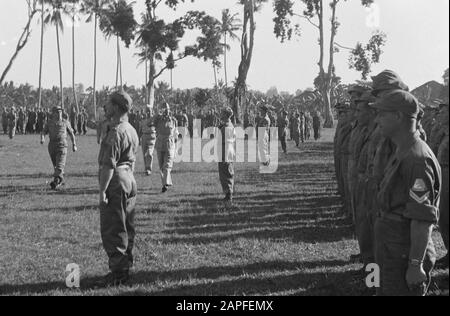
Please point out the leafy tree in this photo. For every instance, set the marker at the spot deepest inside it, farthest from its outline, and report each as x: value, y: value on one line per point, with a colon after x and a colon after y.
x: 314, y: 10
x: 94, y: 9
x: 247, y: 45
x: 32, y: 7
x: 230, y: 24
x: 118, y: 20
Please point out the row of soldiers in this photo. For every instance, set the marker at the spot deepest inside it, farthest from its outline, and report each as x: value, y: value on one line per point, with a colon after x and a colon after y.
x: 25, y: 120
x: 390, y: 181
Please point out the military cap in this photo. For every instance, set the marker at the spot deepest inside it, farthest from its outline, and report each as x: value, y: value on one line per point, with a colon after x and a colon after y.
x: 387, y: 80
x: 121, y: 98
x: 443, y: 105
x: 399, y: 100
x: 56, y: 109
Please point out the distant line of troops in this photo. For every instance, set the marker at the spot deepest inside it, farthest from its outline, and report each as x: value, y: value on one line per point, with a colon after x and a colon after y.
x: 390, y: 191
x: 32, y: 121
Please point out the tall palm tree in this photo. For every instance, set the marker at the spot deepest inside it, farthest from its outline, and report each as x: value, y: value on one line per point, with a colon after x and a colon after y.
x: 118, y: 20
x: 41, y: 53
x: 230, y: 24
x: 94, y: 9
x: 73, y: 9
x: 55, y: 17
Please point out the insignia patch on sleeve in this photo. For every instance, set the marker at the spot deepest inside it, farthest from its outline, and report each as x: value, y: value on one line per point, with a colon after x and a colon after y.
x: 419, y: 186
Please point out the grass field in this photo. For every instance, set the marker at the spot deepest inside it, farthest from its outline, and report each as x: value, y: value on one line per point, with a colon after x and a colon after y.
x: 285, y: 235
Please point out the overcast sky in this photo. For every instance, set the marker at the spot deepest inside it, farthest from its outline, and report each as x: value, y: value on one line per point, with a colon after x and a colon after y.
x: 417, y: 47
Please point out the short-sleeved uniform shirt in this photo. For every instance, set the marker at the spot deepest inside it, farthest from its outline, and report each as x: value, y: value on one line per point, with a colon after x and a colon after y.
x: 412, y: 183
x: 166, y: 128
x: 119, y: 147
x: 57, y: 131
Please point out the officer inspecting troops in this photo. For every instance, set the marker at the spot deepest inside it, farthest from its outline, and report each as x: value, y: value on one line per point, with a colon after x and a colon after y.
x: 166, y: 137
x: 408, y: 199
x: 148, y: 140
x: 57, y: 128
x: 118, y: 189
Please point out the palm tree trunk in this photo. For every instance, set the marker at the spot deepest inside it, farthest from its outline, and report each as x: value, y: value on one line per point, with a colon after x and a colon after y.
x: 225, y: 60
x: 60, y: 67
x: 40, y: 58
x: 117, y: 64
x: 171, y: 80
x: 146, y: 81
x: 120, y: 64
x: 73, y: 64
x: 215, y: 76
x: 94, y: 96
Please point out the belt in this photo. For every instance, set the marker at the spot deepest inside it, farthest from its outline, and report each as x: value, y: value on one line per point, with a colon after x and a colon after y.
x: 392, y: 216
x: 123, y: 167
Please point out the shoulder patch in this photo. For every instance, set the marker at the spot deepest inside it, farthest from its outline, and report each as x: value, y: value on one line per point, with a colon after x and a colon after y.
x: 419, y: 186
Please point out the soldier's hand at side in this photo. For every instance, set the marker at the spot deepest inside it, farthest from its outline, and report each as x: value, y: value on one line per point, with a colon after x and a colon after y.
x: 102, y: 199
x: 415, y: 276
x: 74, y: 148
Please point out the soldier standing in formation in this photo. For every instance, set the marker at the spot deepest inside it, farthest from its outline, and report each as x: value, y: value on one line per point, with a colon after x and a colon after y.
x: 317, y: 125
x: 227, y: 142
x: 407, y: 200
x: 12, y: 122
x: 5, y: 120
x: 58, y: 128
x: 263, y: 140
x: 118, y: 189
x: 283, y: 125
x: 296, y: 129
x: 148, y: 140
x: 166, y: 137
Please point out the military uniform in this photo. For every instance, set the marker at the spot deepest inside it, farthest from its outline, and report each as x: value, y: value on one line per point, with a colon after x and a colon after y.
x: 443, y: 154
x: 148, y: 140
x: 226, y: 167
x: 296, y: 127
x: 263, y: 140
x: 118, y: 151
x: 317, y: 126
x: 57, y: 146
x: 166, y: 133
x: 5, y: 121
x: 443, y: 158
x: 283, y: 124
x: 409, y: 191
x: 12, y: 123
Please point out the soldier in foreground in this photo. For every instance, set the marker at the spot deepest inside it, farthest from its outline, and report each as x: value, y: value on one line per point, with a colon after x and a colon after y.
x: 408, y: 200
x: 118, y: 189
x: 57, y: 128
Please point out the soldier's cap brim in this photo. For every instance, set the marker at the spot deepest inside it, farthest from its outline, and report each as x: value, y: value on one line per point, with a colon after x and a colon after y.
x: 398, y: 101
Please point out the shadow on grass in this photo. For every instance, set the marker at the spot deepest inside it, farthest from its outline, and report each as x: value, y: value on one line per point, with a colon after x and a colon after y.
x: 239, y: 286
